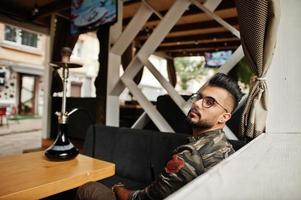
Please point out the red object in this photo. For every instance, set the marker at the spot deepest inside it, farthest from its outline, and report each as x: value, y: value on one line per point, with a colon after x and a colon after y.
x: 14, y: 111
x: 174, y: 165
x: 2, y: 111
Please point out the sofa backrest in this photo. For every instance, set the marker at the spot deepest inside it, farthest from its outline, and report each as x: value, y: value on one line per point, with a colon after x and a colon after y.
x: 173, y: 114
x: 139, y: 155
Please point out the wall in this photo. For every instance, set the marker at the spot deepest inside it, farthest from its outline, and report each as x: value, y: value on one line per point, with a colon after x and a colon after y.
x: 284, y: 77
x: 21, y: 54
x: 16, y: 59
x: 85, y: 53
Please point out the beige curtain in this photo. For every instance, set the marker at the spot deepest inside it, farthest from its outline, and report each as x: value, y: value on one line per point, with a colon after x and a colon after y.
x: 258, y: 21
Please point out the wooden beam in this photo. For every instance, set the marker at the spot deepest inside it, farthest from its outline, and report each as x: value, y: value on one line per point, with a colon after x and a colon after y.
x: 14, y: 10
x: 209, y: 49
x: 197, y: 46
x: 193, y: 26
x: 193, y: 32
x: 25, y: 25
x: 217, y: 18
x: 232, y: 61
x: 199, y: 31
x: 197, y: 37
x: 197, y: 52
x: 198, y: 42
x: 130, y: 10
x: 132, y: 30
x: 205, y: 24
x: 53, y: 7
x: 198, y: 17
x: 166, y: 24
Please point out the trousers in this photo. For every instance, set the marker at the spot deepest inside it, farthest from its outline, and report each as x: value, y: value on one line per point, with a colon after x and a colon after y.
x: 94, y: 191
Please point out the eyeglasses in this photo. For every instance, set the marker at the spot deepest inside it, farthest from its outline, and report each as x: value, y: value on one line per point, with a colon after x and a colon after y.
x: 207, y: 101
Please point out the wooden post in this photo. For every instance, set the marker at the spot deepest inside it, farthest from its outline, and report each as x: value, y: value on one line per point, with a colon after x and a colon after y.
x: 126, y: 58
x: 171, y: 72
x: 101, y: 79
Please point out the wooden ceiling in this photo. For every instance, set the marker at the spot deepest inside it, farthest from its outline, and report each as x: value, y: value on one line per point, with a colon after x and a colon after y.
x: 194, y: 34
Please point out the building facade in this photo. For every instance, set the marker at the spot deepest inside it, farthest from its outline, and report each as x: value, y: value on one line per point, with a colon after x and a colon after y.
x: 21, y: 70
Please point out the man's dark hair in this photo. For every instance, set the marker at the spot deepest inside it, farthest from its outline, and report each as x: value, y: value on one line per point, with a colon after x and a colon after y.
x: 224, y: 81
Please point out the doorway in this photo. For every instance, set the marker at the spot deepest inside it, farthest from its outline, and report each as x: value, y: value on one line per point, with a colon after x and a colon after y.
x: 76, y: 89
x: 27, y: 94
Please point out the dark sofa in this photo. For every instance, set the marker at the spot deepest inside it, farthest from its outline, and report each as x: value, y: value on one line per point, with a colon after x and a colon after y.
x: 139, y: 155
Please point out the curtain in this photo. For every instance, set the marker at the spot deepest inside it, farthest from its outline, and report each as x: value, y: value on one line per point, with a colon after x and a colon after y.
x: 258, y: 21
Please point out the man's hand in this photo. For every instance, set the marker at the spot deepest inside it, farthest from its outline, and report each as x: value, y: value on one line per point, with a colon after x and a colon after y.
x: 121, y: 192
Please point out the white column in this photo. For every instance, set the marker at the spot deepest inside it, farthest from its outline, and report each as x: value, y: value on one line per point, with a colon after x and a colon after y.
x: 121, y: 42
x: 284, y: 74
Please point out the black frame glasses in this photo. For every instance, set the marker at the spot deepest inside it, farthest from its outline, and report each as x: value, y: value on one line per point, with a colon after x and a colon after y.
x: 207, y: 101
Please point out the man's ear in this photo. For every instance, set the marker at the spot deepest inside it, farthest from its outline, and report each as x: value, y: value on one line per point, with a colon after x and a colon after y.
x: 224, y: 117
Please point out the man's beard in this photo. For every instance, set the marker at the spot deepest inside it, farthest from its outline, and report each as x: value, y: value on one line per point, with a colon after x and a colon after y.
x: 198, y: 124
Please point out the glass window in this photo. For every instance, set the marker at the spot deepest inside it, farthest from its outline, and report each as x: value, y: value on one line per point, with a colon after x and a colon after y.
x: 10, y: 33
x: 29, y: 39
x: 21, y: 37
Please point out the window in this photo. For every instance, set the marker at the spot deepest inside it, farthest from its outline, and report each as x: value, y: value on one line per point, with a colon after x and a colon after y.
x: 29, y: 39
x: 10, y: 33
x: 21, y: 37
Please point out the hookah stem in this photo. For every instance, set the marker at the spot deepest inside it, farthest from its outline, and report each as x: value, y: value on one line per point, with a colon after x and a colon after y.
x: 65, y: 80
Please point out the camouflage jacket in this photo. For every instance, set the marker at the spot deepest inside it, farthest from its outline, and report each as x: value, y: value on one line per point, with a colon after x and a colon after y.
x: 188, y: 162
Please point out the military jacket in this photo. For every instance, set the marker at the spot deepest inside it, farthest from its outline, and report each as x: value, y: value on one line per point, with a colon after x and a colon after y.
x: 188, y: 162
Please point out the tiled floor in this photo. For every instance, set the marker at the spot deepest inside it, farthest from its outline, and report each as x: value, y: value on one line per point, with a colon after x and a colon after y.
x: 19, y: 136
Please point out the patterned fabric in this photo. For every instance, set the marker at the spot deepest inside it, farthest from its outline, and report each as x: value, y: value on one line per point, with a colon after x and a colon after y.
x: 258, y: 21
x: 188, y: 162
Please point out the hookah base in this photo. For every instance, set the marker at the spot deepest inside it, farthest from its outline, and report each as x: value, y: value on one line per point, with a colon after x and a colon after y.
x: 56, y: 155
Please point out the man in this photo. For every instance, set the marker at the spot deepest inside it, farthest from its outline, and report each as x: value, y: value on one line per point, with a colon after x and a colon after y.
x: 210, y: 110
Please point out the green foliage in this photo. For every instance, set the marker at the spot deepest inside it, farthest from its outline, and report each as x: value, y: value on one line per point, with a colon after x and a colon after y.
x: 244, y: 72
x: 188, y: 68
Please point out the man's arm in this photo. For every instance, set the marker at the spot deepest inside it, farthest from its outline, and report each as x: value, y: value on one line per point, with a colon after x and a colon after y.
x: 121, y: 192
x: 182, y: 168
x: 188, y: 162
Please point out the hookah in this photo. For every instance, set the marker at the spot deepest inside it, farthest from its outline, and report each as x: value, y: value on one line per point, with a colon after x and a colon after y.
x: 62, y: 148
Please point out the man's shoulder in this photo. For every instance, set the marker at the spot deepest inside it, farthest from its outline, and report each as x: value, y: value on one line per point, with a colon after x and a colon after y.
x: 207, y: 144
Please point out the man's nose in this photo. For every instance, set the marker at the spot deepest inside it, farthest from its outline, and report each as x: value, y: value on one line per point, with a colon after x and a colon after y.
x: 198, y: 103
